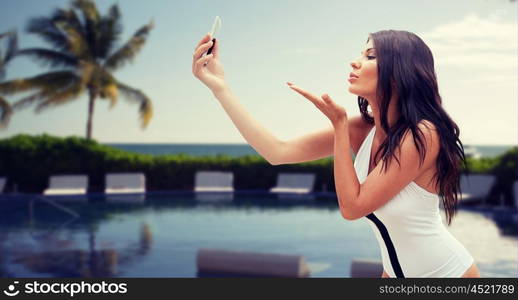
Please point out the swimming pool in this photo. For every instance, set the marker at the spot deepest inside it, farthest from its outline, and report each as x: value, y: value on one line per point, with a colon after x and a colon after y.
x: 159, y: 237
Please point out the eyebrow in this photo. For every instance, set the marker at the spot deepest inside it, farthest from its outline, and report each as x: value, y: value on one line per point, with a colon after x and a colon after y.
x: 367, y: 50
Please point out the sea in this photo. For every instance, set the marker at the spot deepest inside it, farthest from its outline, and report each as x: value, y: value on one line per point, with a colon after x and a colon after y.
x: 236, y: 150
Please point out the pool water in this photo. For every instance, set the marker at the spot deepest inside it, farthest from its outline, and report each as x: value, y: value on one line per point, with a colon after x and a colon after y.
x: 160, y: 236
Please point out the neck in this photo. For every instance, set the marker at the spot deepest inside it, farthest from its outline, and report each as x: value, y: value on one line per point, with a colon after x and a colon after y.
x: 393, y: 116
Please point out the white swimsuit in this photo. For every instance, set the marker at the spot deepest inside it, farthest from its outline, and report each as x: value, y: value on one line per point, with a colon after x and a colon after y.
x: 414, y: 241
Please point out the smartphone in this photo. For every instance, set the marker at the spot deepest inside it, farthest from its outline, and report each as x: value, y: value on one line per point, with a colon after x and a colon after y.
x: 215, y: 29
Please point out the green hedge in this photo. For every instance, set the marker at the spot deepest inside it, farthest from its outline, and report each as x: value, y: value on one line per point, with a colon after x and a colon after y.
x: 28, y: 161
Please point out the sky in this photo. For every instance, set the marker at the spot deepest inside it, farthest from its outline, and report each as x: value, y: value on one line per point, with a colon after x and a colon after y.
x: 263, y: 45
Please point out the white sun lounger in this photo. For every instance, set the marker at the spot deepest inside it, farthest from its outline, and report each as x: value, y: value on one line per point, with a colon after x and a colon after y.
x: 3, y: 180
x: 298, y: 183
x: 125, y: 187
x: 235, y: 263
x: 475, y: 186
x: 125, y: 183
x: 214, y: 185
x: 213, y: 181
x: 294, y: 186
x: 67, y: 185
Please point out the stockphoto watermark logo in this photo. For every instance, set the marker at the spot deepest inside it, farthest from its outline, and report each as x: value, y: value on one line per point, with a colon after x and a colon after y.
x: 11, y: 289
x: 72, y: 288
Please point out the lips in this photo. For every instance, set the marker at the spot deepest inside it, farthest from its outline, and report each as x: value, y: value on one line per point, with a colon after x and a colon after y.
x: 353, y: 75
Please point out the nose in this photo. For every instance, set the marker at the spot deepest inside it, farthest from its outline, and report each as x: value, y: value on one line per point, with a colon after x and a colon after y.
x: 355, y: 64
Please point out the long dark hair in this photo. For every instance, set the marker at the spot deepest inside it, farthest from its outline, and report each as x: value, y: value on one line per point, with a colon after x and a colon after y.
x: 406, y: 63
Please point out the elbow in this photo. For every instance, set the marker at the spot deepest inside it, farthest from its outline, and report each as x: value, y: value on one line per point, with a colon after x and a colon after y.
x: 276, y: 158
x: 275, y: 162
x: 277, y: 155
x: 349, y: 216
x: 349, y: 213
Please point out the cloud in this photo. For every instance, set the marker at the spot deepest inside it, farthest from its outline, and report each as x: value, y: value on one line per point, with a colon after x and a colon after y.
x: 476, y: 63
x: 474, y: 42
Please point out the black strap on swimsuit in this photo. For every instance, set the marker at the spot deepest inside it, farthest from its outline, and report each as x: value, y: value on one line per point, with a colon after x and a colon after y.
x: 388, y: 243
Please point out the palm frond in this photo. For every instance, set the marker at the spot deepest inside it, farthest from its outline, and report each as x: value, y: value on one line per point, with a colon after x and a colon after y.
x: 70, y: 17
x: 58, y: 94
x: 76, y: 42
x: 61, y: 96
x: 108, y: 88
x: 28, y: 100
x: 5, y: 113
x: 49, y: 85
x: 91, y: 17
x: 50, y: 58
x: 110, y: 29
x: 88, y: 9
x: 12, y: 44
x: 46, y: 29
x: 47, y: 81
x: 110, y: 91
x: 135, y: 95
x: 16, y: 86
x: 68, y: 21
x: 129, y: 50
x: 12, y: 48
x: 63, y: 30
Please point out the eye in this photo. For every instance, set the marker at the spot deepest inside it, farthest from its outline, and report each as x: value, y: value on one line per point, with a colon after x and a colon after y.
x: 371, y: 57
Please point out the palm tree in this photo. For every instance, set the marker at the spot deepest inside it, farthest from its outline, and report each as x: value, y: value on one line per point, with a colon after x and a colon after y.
x: 82, y: 59
x: 12, y: 45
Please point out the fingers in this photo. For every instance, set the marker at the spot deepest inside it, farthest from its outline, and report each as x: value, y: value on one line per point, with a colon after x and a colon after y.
x: 306, y: 94
x: 215, y: 51
x: 201, y: 62
x: 205, y: 39
x: 202, y: 49
x: 326, y: 98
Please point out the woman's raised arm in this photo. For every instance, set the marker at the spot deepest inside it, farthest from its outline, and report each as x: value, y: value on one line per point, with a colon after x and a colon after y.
x: 308, y: 147
x: 209, y: 70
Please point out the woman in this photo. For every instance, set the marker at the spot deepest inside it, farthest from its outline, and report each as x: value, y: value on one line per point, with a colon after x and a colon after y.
x: 407, y: 149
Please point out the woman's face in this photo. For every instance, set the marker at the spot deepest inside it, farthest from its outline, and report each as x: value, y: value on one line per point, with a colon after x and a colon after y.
x: 366, y: 69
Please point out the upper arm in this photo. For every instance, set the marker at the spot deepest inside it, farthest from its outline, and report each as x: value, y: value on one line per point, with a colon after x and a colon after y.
x: 381, y: 186
x: 320, y: 144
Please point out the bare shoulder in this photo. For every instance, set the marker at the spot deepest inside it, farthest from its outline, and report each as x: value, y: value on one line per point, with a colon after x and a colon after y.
x: 430, y: 133
x: 429, y: 136
x: 358, y: 131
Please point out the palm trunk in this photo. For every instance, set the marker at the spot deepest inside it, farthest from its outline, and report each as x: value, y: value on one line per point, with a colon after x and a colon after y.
x: 91, y: 103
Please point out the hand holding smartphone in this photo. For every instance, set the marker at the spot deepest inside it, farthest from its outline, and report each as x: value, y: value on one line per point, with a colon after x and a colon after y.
x: 206, y: 64
x: 214, y: 30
